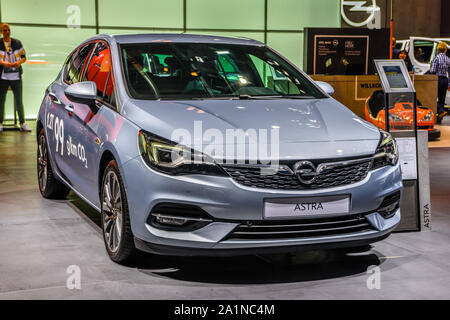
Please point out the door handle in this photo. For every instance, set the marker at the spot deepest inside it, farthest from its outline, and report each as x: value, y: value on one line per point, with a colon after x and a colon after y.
x: 54, y: 97
x: 69, y: 108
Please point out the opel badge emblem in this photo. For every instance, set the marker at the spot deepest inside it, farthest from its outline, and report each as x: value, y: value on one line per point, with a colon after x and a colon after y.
x: 305, y: 171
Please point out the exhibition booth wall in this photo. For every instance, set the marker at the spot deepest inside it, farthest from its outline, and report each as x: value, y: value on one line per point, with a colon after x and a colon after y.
x: 50, y: 29
x: 353, y: 91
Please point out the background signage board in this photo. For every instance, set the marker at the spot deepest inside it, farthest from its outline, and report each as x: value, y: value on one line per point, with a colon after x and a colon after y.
x: 343, y: 51
x: 341, y: 54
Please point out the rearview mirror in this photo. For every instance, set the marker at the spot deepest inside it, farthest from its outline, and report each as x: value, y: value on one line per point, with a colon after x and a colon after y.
x: 326, y: 87
x: 82, y: 92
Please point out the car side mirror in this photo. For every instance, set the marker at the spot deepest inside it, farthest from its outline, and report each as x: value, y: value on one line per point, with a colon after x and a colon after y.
x: 326, y: 87
x: 82, y: 92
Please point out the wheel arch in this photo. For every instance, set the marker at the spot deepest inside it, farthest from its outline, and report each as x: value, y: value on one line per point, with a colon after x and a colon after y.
x: 106, y: 157
x: 108, y: 153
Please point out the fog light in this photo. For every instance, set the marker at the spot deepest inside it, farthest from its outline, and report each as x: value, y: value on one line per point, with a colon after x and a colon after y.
x: 390, y: 205
x: 178, y: 217
x: 170, y: 221
x: 389, y: 211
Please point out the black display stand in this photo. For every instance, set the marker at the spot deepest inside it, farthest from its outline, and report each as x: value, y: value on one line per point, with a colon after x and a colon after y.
x: 398, y: 87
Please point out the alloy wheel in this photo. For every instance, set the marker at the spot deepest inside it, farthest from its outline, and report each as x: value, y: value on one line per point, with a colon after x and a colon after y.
x: 112, y: 211
x: 42, y: 163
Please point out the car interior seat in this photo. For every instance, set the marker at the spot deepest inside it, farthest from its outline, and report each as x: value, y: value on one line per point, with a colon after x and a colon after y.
x: 376, y: 103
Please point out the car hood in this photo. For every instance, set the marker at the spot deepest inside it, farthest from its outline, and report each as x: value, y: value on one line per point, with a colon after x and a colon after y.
x: 320, y: 127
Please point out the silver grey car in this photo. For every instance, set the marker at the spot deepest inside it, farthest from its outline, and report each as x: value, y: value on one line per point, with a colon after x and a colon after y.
x: 205, y: 145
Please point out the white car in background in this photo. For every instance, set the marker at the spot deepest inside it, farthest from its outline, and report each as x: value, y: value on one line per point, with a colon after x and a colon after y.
x: 423, y: 53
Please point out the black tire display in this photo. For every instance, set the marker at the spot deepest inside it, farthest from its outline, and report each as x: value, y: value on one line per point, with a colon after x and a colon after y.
x: 49, y: 186
x: 117, y: 234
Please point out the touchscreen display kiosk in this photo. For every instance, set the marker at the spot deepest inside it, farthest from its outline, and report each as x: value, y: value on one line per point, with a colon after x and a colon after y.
x: 394, y: 76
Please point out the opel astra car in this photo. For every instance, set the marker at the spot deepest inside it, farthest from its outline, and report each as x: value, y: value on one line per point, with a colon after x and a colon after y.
x: 114, y: 127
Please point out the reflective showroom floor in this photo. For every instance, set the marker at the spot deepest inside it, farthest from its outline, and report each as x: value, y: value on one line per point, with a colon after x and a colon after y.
x: 40, y: 239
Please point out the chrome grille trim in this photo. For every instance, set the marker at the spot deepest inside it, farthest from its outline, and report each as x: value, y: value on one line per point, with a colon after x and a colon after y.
x: 329, y: 174
x: 318, y: 227
x: 299, y: 231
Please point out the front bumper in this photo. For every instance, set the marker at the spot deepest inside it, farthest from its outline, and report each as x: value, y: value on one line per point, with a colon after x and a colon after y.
x: 234, y: 248
x: 231, y: 204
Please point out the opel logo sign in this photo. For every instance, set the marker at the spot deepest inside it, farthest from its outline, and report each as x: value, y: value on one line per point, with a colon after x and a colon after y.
x: 305, y: 171
x: 347, y: 7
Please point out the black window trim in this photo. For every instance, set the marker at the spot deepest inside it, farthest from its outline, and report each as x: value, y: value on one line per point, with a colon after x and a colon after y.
x: 70, y: 58
x: 101, y: 101
x: 83, y: 71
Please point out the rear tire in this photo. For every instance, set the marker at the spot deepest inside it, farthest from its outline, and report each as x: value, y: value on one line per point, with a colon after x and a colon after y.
x: 49, y: 186
x: 116, y: 226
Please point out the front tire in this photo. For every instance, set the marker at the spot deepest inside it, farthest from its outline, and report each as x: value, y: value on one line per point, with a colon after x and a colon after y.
x: 49, y: 186
x: 117, y: 234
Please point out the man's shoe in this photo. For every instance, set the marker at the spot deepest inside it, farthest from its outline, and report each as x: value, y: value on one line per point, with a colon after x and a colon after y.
x: 1, y: 127
x: 24, y: 127
x: 441, y: 116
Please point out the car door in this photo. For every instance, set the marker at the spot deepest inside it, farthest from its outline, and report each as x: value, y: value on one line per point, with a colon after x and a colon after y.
x: 58, y: 115
x: 55, y: 119
x: 421, y: 52
x: 90, y: 121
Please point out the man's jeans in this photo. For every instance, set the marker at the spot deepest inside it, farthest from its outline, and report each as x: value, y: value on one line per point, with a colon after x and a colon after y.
x: 16, y: 86
x: 442, y: 92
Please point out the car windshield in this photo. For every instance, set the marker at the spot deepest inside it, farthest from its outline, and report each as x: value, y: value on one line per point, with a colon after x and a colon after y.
x: 209, y: 70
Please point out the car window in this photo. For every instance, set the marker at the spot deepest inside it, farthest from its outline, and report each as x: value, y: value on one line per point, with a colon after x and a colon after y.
x: 199, y: 70
x: 275, y: 79
x: 158, y: 64
x: 75, y: 63
x: 423, y: 50
x: 99, y: 71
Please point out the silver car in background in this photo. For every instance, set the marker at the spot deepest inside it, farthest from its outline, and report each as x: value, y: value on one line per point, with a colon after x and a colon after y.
x: 139, y: 125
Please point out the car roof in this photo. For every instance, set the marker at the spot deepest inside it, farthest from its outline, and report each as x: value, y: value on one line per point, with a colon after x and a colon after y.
x: 178, y: 37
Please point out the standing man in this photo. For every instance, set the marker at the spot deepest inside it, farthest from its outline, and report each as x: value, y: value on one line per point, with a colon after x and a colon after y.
x: 441, y: 66
x: 395, y: 51
x: 12, y: 56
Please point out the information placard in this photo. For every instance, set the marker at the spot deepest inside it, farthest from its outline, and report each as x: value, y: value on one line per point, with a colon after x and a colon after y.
x: 407, y: 157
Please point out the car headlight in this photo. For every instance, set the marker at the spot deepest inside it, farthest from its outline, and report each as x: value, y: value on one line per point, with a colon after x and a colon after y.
x: 428, y: 116
x: 395, y: 118
x: 387, y: 152
x: 168, y: 157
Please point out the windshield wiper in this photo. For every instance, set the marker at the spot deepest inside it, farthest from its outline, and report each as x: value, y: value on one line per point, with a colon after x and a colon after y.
x: 262, y: 97
x: 298, y: 97
x: 238, y: 97
x: 213, y: 98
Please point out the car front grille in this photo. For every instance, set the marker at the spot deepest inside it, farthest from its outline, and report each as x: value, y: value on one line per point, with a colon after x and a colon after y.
x: 306, y: 228
x: 334, y: 174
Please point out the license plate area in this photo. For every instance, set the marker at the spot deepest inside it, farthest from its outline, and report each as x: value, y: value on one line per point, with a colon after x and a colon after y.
x: 288, y: 208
